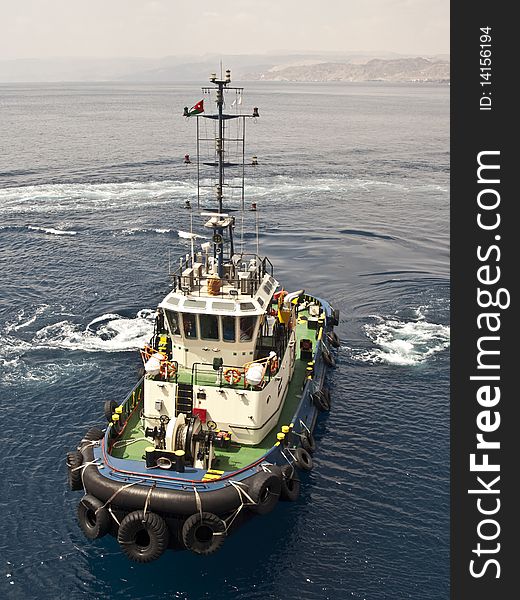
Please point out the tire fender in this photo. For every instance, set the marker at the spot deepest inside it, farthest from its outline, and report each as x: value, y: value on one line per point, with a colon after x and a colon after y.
x: 74, y: 461
x: 328, y: 359
x: 108, y: 409
x: 321, y: 400
x: 94, y: 520
x: 303, y: 459
x: 264, y: 489
x: 143, y: 537
x: 290, y: 484
x: 203, y: 533
x: 308, y: 442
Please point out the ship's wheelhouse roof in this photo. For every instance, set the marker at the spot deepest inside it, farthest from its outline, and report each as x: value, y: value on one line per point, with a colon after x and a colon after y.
x: 224, y: 304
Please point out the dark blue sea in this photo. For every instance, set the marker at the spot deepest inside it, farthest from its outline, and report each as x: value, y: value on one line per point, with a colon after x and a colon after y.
x: 352, y: 189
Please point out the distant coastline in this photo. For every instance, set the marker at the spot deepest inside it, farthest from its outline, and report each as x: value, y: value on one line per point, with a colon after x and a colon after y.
x: 310, y: 67
x: 396, y: 70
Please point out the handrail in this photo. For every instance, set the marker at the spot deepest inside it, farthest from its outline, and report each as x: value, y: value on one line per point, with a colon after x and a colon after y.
x: 263, y: 266
x: 201, y: 369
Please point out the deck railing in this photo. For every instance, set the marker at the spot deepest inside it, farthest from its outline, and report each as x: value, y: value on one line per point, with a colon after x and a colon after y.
x: 227, y: 376
x: 192, y: 276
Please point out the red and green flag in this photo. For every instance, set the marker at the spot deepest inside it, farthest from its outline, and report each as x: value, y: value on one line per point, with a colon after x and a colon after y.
x: 195, y: 110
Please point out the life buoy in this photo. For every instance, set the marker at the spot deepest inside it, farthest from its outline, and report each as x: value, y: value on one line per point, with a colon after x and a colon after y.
x: 321, y: 400
x: 303, y: 460
x: 148, y: 351
x: 203, y: 533
x: 93, y: 518
x: 333, y: 339
x: 232, y: 376
x: 168, y: 369
x: 308, y: 442
x: 143, y: 537
x: 328, y: 358
x: 290, y: 484
x: 264, y: 489
x: 74, y: 462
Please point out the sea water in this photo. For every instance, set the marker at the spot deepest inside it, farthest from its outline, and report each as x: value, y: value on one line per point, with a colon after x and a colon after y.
x: 352, y: 195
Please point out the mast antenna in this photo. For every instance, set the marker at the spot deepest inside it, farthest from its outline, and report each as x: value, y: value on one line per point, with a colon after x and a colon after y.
x: 220, y: 223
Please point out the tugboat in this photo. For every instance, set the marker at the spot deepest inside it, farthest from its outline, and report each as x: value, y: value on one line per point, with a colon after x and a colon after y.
x: 234, y: 378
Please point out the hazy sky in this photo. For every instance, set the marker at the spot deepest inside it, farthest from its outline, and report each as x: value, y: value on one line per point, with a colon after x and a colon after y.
x: 155, y: 28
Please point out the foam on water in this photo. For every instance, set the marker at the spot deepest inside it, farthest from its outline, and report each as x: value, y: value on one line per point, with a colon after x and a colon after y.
x: 22, y: 320
x: 112, y: 333
x: 73, y: 197
x: 51, y: 198
x: 52, y: 231
x: 142, y: 230
x: 401, y: 342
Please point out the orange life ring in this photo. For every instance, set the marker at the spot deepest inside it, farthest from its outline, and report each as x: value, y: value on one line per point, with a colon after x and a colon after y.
x: 147, y: 352
x: 232, y: 376
x: 169, y: 369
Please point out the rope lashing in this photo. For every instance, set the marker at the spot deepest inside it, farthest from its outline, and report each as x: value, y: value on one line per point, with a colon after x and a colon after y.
x: 147, y: 502
x: 124, y: 487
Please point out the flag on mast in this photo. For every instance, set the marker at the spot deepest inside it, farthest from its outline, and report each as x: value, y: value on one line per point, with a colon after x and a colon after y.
x: 195, y: 110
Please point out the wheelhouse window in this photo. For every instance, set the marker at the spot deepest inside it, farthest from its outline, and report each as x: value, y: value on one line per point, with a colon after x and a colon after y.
x: 189, y: 323
x: 208, y: 327
x: 247, y: 328
x: 228, y: 329
x: 172, y: 317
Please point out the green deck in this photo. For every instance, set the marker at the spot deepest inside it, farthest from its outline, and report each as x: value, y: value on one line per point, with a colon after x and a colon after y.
x: 236, y: 456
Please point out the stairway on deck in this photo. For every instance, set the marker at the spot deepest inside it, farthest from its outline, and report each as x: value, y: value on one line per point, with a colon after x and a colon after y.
x: 184, y: 400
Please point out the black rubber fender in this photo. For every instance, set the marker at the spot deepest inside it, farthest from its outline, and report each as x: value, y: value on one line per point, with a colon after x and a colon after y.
x: 203, y: 533
x: 143, y: 537
x: 74, y: 462
x: 290, y: 484
x: 321, y: 400
x: 94, y: 434
x: 162, y: 501
x: 328, y: 359
x: 108, y: 409
x: 308, y: 442
x: 94, y: 520
x: 264, y: 489
x: 303, y: 460
x: 333, y: 339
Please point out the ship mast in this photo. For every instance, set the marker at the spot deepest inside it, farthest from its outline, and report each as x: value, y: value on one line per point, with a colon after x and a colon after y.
x: 221, y: 222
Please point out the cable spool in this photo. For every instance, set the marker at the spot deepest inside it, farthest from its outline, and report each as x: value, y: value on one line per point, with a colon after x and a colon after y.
x: 181, y: 435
